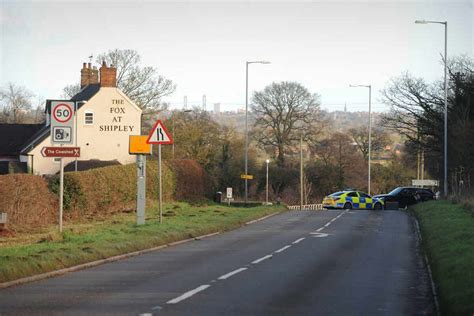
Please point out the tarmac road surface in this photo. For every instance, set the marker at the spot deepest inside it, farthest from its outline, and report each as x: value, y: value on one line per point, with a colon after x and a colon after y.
x: 358, y: 262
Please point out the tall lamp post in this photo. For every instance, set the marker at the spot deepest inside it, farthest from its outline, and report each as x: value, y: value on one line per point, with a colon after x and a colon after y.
x: 445, y: 23
x: 370, y: 129
x: 266, y: 196
x: 246, y: 119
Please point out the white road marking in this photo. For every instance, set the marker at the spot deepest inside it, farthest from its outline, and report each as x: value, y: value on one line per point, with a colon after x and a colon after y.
x: 283, y: 249
x: 327, y: 224
x: 188, y: 294
x: 261, y: 259
x: 320, y: 235
x: 297, y: 241
x: 319, y: 229
x: 228, y: 275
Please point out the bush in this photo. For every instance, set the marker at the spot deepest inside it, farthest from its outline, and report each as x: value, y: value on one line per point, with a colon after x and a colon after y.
x: 27, y: 201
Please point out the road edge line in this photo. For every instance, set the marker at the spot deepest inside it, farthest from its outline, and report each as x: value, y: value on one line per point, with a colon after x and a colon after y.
x: 427, y: 263
x: 91, y: 264
x: 264, y: 218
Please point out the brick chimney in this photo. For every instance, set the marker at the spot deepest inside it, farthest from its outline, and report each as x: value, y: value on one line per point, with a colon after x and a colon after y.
x: 108, y: 76
x: 89, y: 75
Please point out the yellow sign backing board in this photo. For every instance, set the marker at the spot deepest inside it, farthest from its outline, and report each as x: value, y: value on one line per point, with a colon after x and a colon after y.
x: 138, y: 146
x: 246, y: 176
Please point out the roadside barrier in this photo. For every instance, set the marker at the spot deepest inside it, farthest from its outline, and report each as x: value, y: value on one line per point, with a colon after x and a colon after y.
x: 311, y: 207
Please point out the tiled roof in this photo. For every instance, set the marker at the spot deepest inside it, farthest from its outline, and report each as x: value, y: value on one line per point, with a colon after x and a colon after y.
x: 84, y: 95
x: 15, y: 136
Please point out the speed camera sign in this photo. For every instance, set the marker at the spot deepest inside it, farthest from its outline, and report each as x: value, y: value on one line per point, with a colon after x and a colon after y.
x: 62, y: 122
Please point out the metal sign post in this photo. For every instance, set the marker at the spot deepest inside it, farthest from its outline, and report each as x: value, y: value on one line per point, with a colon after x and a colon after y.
x: 159, y: 136
x: 62, y: 132
x: 141, y: 189
x: 138, y: 146
x: 160, y: 187
x: 61, y: 193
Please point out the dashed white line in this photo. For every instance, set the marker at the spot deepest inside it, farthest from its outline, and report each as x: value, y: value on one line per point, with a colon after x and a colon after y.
x: 228, y: 275
x: 283, y: 249
x: 319, y: 229
x: 188, y: 294
x: 298, y: 240
x: 261, y: 259
x: 327, y: 224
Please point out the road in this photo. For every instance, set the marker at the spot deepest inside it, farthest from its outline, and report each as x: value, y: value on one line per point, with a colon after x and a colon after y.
x: 295, y: 263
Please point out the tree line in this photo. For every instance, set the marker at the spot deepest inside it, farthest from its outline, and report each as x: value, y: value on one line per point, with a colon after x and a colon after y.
x: 287, y: 113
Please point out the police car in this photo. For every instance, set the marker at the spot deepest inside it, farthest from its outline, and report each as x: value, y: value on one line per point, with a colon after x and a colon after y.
x: 351, y: 199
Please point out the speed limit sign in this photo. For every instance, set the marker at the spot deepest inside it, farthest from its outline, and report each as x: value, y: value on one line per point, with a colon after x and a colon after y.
x: 62, y: 122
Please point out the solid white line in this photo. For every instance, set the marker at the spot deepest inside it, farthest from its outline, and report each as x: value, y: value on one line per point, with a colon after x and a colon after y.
x: 228, y: 275
x: 188, y: 294
x: 261, y: 259
x: 298, y: 240
x: 283, y: 249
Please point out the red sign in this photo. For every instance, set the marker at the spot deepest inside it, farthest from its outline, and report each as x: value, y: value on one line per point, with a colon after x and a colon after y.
x: 159, y: 135
x: 61, y: 152
x: 62, y: 112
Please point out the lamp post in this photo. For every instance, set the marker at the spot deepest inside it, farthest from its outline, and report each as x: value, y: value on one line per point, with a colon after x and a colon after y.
x: 370, y: 129
x: 246, y: 119
x: 445, y: 23
x: 266, y: 196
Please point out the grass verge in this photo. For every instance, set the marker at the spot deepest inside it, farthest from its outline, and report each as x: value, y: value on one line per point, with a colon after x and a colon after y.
x: 448, y: 237
x: 81, y: 243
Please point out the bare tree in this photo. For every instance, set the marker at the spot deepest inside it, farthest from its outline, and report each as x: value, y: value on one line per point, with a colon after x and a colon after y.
x: 284, y: 112
x: 16, y: 103
x: 418, y: 113
x: 71, y: 90
x: 360, y: 135
x: 142, y: 84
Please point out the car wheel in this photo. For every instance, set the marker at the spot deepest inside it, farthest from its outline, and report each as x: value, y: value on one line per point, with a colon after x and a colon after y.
x: 378, y: 206
x: 347, y: 206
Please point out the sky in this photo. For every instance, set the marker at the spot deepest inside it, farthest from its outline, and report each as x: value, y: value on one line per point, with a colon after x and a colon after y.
x: 203, y: 46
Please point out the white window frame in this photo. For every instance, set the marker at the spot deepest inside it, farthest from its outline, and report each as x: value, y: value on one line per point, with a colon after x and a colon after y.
x: 85, y: 117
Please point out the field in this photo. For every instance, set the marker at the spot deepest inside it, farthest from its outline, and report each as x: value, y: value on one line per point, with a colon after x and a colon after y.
x: 448, y: 237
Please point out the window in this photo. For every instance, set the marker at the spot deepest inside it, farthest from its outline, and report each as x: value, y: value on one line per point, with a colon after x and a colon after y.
x: 88, y: 118
x: 352, y: 194
x: 364, y: 195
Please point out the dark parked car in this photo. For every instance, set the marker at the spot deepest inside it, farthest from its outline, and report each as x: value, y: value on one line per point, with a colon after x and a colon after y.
x: 406, y: 196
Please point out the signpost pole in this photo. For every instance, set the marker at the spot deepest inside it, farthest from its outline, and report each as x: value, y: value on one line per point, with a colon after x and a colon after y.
x: 61, y: 193
x: 160, y: 205
x: 141, y: 190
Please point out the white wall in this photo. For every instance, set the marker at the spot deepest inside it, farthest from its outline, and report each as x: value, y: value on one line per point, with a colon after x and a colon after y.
x: 115, y: 118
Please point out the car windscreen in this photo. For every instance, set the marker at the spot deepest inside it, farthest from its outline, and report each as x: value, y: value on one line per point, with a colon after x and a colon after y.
x: 337, y: 193
x: 395, y: 191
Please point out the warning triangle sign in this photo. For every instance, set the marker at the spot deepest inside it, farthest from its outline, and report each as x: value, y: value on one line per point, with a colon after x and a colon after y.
x: 159, y: 135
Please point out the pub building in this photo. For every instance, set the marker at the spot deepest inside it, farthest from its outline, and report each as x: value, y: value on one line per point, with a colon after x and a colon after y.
x: 104, y: 120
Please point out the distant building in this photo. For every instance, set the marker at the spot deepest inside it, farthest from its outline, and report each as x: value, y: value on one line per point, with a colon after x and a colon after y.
x: 104, y: 120
x: 217, y: 108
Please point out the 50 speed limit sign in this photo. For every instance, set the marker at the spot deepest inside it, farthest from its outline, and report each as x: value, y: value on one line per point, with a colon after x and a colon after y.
x: 62, y: 122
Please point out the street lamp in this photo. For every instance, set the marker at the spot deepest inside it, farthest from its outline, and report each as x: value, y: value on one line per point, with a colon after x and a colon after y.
x: 266, y: 197
x: 246, y: 119
x: 370, y: 128
x: 445, y: 23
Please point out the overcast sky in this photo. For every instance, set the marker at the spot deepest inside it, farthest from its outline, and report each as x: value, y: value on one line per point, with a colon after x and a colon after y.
x: 203, y: 46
